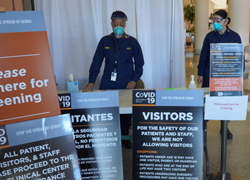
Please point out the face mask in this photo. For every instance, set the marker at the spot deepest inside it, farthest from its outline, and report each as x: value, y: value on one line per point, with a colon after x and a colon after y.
x: 217, y: 26
x: 118, y: 31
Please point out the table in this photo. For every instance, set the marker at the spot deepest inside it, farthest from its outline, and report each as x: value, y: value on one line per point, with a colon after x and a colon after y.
x: 125, y: 98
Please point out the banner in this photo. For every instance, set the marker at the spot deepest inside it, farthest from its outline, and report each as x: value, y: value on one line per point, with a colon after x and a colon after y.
x: 168, y: 134
x: 226, y: 69
x: 27, y: 82
x: 41, y: 149
x: 96, y: 123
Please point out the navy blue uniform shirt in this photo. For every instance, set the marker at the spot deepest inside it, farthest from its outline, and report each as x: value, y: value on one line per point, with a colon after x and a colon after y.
x: 129, y: 63
x: 213, y: 37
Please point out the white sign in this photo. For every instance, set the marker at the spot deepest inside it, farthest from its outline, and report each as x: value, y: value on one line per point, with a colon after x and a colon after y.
x: 226, y: 108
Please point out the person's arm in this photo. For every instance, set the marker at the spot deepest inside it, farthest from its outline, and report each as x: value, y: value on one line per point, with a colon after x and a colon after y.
x: 95, y: 66
x: 237, y: 39
x: 138, y: 61
x: 89, y: 86
x: 131, y: 85
x: 96, y: 63
x: 203, y: 57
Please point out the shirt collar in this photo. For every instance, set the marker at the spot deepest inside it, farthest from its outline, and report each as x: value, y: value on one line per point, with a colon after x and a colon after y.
x: 227, y: 31
x: 124, y: 35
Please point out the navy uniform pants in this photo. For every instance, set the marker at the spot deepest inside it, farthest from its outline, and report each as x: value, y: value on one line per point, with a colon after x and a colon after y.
x: 125, y: 120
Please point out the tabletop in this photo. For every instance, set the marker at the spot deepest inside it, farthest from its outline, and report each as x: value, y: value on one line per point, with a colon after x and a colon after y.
x: 125, y: 98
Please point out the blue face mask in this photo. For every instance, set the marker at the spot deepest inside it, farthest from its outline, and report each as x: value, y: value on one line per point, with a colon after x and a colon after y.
x: 118, y: 31
x: 217, y: 26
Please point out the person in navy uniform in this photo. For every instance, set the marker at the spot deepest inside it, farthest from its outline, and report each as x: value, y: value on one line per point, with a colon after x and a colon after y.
x: 221, y: 34
x: 123, y: 63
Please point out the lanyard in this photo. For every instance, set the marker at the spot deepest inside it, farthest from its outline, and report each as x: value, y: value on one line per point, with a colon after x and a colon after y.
x: 116, y: 53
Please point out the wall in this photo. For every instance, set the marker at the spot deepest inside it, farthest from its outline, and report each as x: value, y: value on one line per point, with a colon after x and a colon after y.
x: 12, y: 5
x: 211, y: 8
x: 220, y: 4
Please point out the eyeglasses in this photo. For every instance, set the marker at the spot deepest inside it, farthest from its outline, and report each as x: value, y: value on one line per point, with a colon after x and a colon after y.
x: 218, y: 20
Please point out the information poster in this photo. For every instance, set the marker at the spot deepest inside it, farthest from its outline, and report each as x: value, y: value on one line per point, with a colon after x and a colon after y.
x: 27, y: 82
x: 226, y: 69
x: 96, y: 123
x: 168, y: 134
x: 65, y: 101
x: 41, y: 149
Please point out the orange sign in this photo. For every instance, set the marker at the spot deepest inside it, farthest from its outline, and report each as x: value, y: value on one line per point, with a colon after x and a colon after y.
x: 226, y: 84
x: 27, y: 84
x: 226, y: 69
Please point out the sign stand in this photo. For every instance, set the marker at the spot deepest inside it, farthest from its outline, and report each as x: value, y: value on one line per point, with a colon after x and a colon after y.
x: 167, y: 134
x: 26, y: 72
x: 223, y: 149
x: 96, y: 125
x: 205, y: 146
x: 226, y: 79
x: 223, y: 175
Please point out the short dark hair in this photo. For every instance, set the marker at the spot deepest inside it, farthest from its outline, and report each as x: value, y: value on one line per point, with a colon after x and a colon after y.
x: 119, y: 14
x: 222, y: 13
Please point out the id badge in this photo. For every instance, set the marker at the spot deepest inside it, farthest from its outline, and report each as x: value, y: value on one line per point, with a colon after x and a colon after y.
x: 113, y: 76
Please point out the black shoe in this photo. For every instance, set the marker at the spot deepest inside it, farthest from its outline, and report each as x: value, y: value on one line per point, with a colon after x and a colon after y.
x: 127, y: 144
x: 229, y: 134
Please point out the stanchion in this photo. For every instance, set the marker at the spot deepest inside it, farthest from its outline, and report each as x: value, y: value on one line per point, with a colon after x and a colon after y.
x: 223, y: 175
x: 223, y: 149
x: 205, y: 146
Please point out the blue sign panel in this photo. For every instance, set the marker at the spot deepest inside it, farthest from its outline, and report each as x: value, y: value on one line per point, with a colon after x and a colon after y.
x: 22, y: 21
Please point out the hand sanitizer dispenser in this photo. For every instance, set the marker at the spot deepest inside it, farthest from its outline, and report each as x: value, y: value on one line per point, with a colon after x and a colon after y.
x: 192, y: 84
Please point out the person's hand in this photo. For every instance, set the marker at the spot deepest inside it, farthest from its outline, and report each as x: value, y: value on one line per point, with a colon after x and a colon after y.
x: 200, y: 79
x: 131, y: 85
x: 88, y: 86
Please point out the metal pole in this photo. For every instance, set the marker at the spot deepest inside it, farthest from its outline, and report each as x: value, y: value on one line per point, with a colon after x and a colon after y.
x: 223, y: 149
x: 13, y: 5
x: 222, y: 175
x: 172, y: 44
x: 205, y: 146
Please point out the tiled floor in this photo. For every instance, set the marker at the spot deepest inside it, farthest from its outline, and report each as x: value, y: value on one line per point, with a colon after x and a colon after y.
x: 238, y: 149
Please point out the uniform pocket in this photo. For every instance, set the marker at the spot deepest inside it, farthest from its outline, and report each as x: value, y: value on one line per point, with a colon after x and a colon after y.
x: 108, y: 53
x: 128, y: 53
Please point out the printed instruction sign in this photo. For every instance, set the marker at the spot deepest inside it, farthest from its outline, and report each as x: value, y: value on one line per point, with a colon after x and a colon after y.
x: 41, y: 149
x: 226, y: 69
x: 27, y: 82
x: 96, y: 123
x: 226, y: 108
x: 167, y: 134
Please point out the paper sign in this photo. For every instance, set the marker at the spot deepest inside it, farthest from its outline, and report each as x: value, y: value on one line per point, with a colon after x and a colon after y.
x: 226, y: 108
